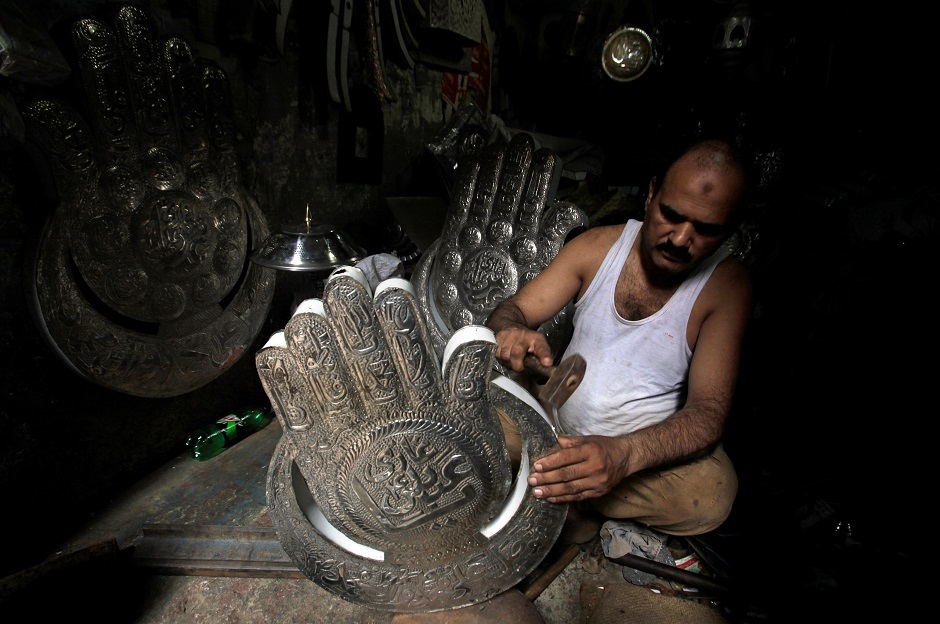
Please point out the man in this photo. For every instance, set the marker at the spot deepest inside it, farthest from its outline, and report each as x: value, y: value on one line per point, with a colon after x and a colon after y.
x: 660, y: 314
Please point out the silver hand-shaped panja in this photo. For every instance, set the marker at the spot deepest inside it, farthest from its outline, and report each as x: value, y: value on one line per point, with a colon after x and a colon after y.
x: 141, y: 275
x: 392, y: 486
x: 503, y: 227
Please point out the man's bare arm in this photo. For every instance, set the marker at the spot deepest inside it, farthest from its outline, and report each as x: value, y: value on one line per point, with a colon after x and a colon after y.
x: 515, y: 320
x: 589, y: 466
x: 515, y: 338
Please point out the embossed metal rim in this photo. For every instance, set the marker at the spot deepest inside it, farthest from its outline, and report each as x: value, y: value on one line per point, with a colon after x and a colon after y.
x: 49, y: 280
x: 422, y: 281
x: 517, y: 539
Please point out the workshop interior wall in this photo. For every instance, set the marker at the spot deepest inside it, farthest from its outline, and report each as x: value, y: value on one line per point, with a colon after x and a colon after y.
x: 837, y: 120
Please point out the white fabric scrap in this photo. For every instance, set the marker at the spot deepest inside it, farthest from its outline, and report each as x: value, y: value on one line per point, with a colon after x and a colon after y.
x: 380, y: 267
x: 619, y: 538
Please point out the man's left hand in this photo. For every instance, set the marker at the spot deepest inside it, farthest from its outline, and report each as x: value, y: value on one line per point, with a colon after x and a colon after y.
x: 583, y: 467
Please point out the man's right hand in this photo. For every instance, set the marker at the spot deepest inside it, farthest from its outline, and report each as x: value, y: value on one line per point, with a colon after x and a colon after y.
x: 515, y: 339
x: 582, y: 467
x: 514, y: 343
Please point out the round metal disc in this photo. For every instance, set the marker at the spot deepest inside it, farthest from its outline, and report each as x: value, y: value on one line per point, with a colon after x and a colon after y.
x: 627, y: 54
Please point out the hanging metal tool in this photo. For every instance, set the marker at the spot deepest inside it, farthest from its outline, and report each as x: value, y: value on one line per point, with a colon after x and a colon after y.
x: 337, y: 52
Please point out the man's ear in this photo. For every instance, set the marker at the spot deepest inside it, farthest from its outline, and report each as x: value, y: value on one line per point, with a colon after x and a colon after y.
x: 650, y: 194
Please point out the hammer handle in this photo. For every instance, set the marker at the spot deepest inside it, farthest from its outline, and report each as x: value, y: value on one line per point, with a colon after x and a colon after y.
x: 534, y: 365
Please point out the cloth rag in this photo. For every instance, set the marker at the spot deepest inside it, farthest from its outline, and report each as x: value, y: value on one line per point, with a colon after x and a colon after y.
x: 380, y: 267
x: 620, y: 537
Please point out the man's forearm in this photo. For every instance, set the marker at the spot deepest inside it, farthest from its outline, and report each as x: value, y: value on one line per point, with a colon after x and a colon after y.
x: 687, y: 434
x: 506, y: 315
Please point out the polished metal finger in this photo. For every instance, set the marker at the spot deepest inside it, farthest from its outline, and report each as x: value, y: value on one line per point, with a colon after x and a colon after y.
x: 220, y: 115
x: 541, y: 186
x: 106, y: 90
x: 67, y: 142
x: 484, y: 194
x: 408, y: 339
x: 461, y: 199
x: 348, y: 301
x: 467, y: 365
x: 467, y: 362
x: 186, y: 96
x: 560, y: 219
x: 329, y: 400
x: 148, y: 89
x: 511, y: 185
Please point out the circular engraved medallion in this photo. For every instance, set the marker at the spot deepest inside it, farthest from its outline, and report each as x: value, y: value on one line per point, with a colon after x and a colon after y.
x: 488, y: 277
x: 415, y: 476
x: 627, y: 54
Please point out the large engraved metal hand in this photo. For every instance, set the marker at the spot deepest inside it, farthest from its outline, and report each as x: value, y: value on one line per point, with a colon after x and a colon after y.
x: 142, y: 277
x: 392, y: 484
x: 503, y: 227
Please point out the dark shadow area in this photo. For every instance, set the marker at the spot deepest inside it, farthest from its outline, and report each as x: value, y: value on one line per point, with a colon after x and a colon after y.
x: 99, y: 583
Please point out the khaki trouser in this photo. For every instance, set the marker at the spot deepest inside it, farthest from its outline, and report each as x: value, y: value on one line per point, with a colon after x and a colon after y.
x: 686, y: 499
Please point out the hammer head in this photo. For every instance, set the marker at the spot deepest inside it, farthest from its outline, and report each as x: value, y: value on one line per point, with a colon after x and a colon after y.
x: 563, y: 381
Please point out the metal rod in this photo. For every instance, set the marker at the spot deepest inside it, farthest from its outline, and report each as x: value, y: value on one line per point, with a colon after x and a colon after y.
x: 672, y: 573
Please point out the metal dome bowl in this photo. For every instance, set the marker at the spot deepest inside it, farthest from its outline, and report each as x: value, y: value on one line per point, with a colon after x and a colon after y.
x: 308, y: 248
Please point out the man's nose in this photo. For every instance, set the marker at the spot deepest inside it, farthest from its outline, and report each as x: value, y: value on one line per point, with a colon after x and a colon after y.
x: 682, y: 235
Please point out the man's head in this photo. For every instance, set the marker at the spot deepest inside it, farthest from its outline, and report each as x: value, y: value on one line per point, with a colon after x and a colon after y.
x: 693, y: 208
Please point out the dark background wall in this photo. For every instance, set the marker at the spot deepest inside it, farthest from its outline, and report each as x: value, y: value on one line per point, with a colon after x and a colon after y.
x: 832, y: 97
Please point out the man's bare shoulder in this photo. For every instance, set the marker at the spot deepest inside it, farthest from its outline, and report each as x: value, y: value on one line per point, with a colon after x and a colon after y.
x: 730, y: 284
x: 732, y: 272
x: 584, y: 254
x: 596, y: 240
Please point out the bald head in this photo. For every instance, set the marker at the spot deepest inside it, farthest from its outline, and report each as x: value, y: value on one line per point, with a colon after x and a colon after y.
x: 717, y: 168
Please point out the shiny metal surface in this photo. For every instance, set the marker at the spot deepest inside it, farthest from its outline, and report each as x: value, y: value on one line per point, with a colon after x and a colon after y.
x: 308, y: 248
x: 458, y: 20
x: 392, y: 486
x: 503, y: 226
x: 627, y: 54
x: 140, y: 279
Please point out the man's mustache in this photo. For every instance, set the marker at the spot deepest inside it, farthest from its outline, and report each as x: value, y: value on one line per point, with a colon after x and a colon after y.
x: 677, y: 252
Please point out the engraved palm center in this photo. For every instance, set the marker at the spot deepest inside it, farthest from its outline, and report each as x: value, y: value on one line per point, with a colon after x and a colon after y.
x: 176, y: 233
x: 488, y: 276
x: 407, y: 481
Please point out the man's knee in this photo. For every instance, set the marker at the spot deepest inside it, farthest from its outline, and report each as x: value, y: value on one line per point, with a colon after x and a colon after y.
x: 686, y: 500
x: 697, y: 514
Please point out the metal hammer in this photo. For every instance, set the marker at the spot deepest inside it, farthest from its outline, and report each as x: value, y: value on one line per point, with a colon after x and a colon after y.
x: 562, y: 380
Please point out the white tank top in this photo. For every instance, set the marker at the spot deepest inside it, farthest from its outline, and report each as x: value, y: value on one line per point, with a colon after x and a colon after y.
x: 637, y: 371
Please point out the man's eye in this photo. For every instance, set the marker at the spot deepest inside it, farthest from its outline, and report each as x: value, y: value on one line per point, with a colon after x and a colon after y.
x: 670, y: 215
x: 709, y: 229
